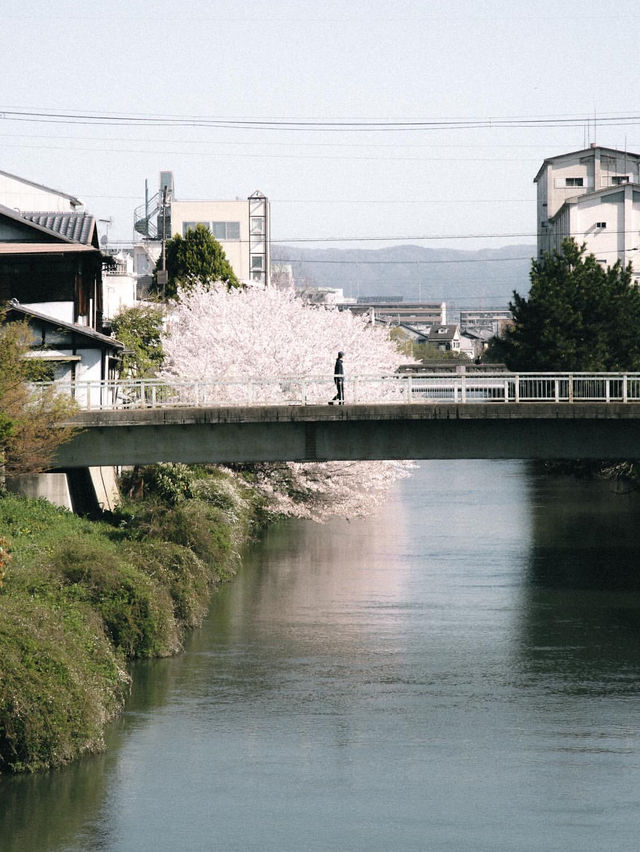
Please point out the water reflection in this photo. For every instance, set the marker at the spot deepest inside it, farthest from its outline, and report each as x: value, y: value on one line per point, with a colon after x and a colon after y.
x: 578, y: 671
x: 459, y: 672
x: 39, y: 813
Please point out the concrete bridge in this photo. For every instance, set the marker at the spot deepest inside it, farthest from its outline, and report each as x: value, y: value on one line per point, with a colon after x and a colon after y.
x: 415, y: 430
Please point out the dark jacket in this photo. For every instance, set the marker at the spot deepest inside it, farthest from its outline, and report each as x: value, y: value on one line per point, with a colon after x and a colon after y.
x: 338, y: 370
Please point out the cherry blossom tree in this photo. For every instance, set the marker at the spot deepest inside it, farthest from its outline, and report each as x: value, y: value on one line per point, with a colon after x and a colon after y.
x: 266, y: 345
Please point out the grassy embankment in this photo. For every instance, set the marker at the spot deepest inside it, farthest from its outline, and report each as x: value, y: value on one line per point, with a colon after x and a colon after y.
x: 79, y: 599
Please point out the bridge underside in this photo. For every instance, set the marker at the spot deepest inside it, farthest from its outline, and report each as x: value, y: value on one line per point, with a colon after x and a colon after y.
x: 351, y: 432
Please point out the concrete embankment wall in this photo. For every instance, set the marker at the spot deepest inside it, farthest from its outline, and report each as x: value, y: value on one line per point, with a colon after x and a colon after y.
x: 85, y: 491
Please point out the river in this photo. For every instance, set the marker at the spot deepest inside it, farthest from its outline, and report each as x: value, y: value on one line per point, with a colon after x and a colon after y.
x: 460, y: 672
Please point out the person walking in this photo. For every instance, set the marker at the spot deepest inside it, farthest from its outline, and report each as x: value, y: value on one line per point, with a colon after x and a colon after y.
x: 338, y: 378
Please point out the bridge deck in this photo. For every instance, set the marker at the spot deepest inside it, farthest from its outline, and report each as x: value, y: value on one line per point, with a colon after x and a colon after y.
x: 382, y: 431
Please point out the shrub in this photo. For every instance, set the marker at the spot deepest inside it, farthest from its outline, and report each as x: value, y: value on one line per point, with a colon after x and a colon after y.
x: 137, y: 611
x: 59, y: 683
x: 181, y: 572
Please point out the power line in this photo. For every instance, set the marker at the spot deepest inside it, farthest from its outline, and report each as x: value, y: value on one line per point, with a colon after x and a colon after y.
x: 401, y: 262
x: 77, y: 117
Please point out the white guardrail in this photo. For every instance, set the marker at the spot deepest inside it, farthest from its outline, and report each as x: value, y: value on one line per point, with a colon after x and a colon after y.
x: 465, y: 388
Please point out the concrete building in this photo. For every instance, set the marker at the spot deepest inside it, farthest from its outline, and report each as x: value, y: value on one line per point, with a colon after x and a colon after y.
x: 419, y: 315
x: 242, y: 227
x: 488, y: 319
x: 592, y: 195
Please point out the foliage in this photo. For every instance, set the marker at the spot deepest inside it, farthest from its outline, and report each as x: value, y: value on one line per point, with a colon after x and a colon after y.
x: 578, y: 316
x: 196, y: 257
x: 29, y: 419
x: 268, y: 338
x: 140, y: 329
x: 136, y: 612
x: 167, y: 482
x: 80, y: 598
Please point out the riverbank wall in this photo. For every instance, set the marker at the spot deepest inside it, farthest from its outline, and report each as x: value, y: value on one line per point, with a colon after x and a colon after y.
x: 79, y: 599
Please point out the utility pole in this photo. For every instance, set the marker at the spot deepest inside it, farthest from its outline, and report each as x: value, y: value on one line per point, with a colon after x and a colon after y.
x: 162, y: 274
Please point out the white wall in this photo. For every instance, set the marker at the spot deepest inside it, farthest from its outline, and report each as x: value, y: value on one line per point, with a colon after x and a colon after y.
x: 19, y: 195
x: 118, y: 291
x: 59, y: 310
x: 237, y: 251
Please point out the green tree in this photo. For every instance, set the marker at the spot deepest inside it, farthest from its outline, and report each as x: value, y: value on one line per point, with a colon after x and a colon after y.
x: 577, y: 316
x: 140, y: 329
x: 30, y: 417
x: 196, y: 257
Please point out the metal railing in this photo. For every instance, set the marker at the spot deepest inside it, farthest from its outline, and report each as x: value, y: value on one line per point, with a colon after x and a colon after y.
x: 463, y: 388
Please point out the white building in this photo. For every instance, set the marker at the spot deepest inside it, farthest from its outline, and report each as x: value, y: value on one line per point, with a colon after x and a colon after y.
x: 484, y: 319
x: 20, y: 194
x: 242, y: 227
x: 119, y: 285
x: 592, y: 195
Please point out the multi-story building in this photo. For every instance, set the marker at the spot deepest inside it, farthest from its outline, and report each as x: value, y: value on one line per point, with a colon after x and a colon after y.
x: 242, y: 227
x: 484, y: 319
x: 419, y: 315
x: 592, y: 195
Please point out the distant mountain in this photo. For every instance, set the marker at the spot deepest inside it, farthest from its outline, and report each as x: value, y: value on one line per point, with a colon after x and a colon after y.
x: 485, y: 278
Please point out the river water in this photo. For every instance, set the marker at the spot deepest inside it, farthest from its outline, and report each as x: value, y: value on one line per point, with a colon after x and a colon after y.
x: 459, y: 672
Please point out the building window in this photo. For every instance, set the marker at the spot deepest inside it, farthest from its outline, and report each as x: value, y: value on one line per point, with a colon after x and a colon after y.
x: 618, y: 180
x: 191, y: 226
x: 226, y: 230
x: 257, y: 225
x: 601, y: 225
x: 257, y: 261
x: 574, y: 181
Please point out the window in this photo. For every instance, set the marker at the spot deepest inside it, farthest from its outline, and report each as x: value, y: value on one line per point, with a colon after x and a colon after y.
x: 618, y: 180
x: 574, y: 181
x: 191, y: 226
x: 226, y: 230
x: 257, y: 225
x: 257, y: 261
x: 601, y: 225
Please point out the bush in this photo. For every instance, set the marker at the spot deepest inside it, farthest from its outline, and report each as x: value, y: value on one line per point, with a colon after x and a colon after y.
x: 181, y: 572
x: 60, y: 682
x: 78, y: 598
x: 193, y: 524
x: 137, y: 611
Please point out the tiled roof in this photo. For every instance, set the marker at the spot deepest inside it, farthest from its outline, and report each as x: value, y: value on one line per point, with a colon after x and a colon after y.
x: 78, y: 227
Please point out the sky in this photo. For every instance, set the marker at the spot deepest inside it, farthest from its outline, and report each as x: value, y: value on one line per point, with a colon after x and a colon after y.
x: 366, y: 123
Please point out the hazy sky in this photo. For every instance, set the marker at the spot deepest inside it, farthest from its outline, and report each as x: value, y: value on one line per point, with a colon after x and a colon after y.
x: 570, y: 65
